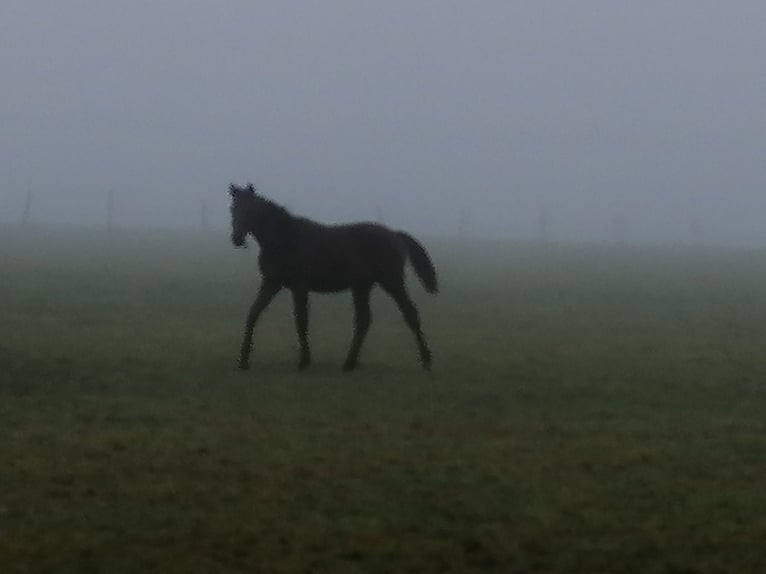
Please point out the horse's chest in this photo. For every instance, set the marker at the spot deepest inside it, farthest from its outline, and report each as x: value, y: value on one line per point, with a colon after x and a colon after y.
x: 272, y: 264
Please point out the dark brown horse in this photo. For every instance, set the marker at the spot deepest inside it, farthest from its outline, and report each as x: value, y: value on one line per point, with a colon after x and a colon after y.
x: 302, y: 255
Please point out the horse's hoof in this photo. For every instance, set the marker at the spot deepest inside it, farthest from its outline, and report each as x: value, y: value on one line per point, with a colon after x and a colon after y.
x: 426, y: 360
x: 244, y: 365
x: 348, y: 367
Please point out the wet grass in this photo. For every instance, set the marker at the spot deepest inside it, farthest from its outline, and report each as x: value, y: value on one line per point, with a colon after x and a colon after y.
x: 590, y: 410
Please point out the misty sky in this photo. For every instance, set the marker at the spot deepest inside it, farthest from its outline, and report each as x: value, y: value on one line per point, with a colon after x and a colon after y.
x: 653, y: 109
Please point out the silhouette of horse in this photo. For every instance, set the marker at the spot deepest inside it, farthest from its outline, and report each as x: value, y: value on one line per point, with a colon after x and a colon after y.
x: 302, y: 255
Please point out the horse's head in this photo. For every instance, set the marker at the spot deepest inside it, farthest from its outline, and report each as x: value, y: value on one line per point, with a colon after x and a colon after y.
x: 242, y: 201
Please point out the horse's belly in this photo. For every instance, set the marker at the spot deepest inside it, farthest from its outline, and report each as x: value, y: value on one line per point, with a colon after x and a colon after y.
x: 333, y: 278
x: 328, y: 284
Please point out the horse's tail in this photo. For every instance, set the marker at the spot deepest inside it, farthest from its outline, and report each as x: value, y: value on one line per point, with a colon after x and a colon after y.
x: 421, y: 262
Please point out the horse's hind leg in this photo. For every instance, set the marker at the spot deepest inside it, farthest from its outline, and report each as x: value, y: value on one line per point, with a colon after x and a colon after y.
x: 301, y: 312
x: 362, y: 320
x: 265, y: 295
x: 399, y: 294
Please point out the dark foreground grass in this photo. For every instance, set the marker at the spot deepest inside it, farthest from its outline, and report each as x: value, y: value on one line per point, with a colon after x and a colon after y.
x: 591, y: 410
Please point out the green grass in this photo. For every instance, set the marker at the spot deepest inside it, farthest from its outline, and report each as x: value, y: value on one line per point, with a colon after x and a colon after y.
x: 590, y: 410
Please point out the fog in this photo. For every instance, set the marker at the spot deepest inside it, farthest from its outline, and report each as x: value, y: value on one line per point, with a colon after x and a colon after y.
x: 638, y: 121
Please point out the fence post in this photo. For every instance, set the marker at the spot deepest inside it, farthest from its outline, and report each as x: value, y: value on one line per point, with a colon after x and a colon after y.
x: 696, y: 231
x: 110, y: 210
x: 620, y: 228
x: 544, y: 223
x: 203, y: 220
x: 26, y: 214
x: 462, y: 223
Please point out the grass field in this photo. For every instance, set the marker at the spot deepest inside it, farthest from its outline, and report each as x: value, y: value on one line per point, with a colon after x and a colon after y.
x: 590, y: 410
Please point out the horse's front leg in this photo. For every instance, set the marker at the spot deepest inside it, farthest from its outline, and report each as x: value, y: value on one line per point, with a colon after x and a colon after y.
x: 265, y: 294
x: 301, y: 312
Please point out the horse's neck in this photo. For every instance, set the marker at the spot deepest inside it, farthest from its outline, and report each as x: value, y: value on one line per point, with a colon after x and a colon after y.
x: 275, y: 236
x: 267, y: 242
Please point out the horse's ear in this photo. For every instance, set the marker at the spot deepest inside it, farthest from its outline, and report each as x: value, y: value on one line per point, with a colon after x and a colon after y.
x: 233, y: 189
x: 250, y: 189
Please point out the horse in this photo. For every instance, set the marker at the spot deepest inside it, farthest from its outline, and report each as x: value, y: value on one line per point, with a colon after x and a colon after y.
x: 302, y: 256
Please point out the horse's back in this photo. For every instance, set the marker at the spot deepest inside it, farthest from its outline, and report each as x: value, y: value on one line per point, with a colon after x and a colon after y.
x: 337, y: 257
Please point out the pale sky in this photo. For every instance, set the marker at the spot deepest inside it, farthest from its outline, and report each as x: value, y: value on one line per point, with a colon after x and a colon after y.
x: 652, y: 110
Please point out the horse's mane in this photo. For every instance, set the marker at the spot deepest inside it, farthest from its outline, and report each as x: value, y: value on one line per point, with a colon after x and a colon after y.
x: 274, y: 211
x: 274, y: 225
